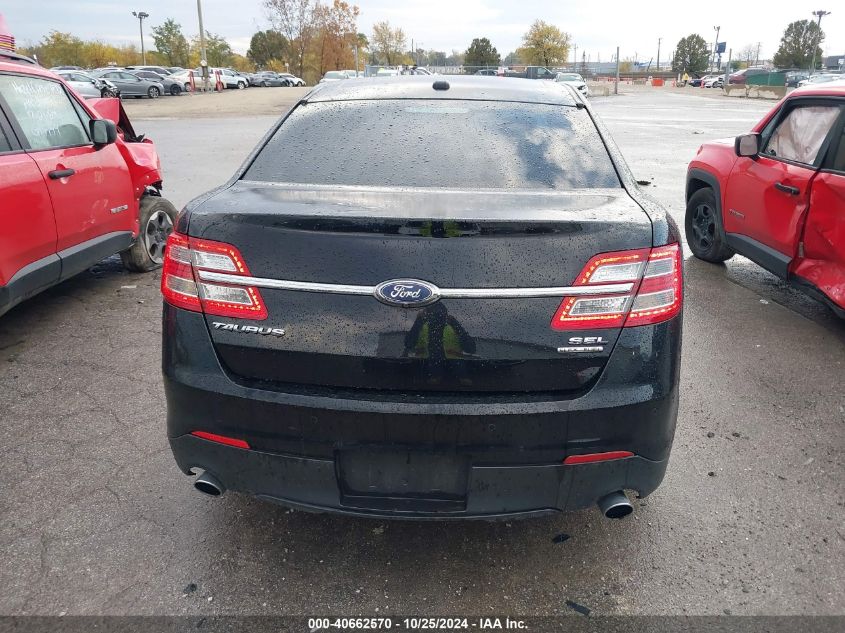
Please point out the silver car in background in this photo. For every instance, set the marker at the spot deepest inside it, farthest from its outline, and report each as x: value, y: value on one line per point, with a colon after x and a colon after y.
x: 130, y: 85
x: 87, y: 86
x: 171, y: 86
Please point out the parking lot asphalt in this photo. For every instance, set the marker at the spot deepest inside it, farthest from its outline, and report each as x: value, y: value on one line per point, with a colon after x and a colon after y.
x: 97, y: 519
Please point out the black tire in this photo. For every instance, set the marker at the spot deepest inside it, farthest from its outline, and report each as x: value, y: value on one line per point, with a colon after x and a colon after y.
x: 157, y: 218
x: 153, y: 92
x: 703, y: 227
x: 175, y: 90
x: 241, y: 85
x: 263, y: 84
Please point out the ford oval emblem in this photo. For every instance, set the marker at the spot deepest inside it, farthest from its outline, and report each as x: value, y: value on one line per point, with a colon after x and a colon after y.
x: 407, y: 293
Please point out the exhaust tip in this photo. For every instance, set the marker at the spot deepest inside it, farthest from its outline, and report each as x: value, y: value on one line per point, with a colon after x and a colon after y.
x: 208, y: 484
x: 615, y: 505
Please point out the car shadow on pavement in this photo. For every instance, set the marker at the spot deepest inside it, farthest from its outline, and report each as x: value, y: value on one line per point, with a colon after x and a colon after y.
x: 405, y: 566
x: 717, y: 282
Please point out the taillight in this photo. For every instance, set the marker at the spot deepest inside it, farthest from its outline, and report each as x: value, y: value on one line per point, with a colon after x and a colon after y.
x: 656, y: 294
x: 184, y: 256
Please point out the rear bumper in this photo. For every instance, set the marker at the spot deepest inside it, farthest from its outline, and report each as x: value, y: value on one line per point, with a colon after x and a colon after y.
x: 492, y: 491
x: 512, y: 448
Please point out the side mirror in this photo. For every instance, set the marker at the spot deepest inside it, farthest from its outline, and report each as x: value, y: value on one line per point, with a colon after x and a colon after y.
x: 103, y: 131
x: 747, y: 145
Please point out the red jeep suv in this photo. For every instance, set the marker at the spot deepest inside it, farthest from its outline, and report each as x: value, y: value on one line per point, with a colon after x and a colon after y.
x: 76, y: 184
x: 777, y: 195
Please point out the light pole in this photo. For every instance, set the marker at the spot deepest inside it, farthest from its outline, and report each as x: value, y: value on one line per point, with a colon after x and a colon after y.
x: 715, y: 44
x: 202, y: 32
x: 203, y: 58
x: 659, y: 39
x: 820, y: 14
x: 141, y: 17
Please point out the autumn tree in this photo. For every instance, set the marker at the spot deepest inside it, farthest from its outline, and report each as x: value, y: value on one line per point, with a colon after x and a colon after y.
x: 57, y: 48
x: 218, y: 52
x: 691, y: 55
x: 266, y: 46
x: 800, y: 40
x: 388, y: 43
x: 544, y: 45
x: 363, y: 44
x: 295, y: 20
x: 60, y: 49
x: 171, y: 43
x: 481, y: 53
x: 336, y: 35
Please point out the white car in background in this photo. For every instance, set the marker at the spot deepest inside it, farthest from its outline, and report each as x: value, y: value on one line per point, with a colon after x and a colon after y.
x: 228, y: 77
x: 822, y: 78
x: 293, y: 80
x: 575, y: 80
x: 87, y: 86
x: 334, y: 75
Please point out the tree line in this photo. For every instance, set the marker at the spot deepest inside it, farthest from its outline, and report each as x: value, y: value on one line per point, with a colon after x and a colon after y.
x: 306, y: 37
x: 799, y: 44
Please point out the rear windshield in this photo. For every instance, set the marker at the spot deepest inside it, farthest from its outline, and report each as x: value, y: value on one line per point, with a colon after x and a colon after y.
x: 436, y: 143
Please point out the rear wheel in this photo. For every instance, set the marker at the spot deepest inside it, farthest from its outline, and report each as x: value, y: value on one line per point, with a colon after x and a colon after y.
x: 157, y: 218
x: 175, y: 90
x: 153, y: 92
x: 704, y: 231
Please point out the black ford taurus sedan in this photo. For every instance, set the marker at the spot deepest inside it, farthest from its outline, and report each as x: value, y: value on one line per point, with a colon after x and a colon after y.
x: 426, y: 298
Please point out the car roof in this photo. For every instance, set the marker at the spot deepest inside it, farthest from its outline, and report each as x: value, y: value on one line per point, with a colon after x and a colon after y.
x: 22, y: 67
x: 836, y: 89
x: 470, y: 87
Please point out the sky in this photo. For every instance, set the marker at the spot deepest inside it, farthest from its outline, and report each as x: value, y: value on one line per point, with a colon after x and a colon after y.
x: 596, y: 27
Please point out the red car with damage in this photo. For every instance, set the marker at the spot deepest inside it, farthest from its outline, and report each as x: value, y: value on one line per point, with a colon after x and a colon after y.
x: 777, y: 194
x: 76, y: 184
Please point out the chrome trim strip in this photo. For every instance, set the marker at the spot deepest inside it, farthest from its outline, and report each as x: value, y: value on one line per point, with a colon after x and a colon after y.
x: 455, y: 293
x: 529, y: 293
x: 580, y: 350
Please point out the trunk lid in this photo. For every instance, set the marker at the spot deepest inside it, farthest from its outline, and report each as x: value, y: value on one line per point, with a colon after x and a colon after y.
x: 453, y: 239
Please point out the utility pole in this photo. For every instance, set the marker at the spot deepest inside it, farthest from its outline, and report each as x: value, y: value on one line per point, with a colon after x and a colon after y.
x: 757, y: 58
x: 357, y: 70
x: 575, y: 57
x: 202, y: 33
x: 616, y: 83
x: 820, y: 14
x: 715, y: 44
x: 659, y: 39
x: 203, y: 59
x: 141, y: 17
x: 728, y: 70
